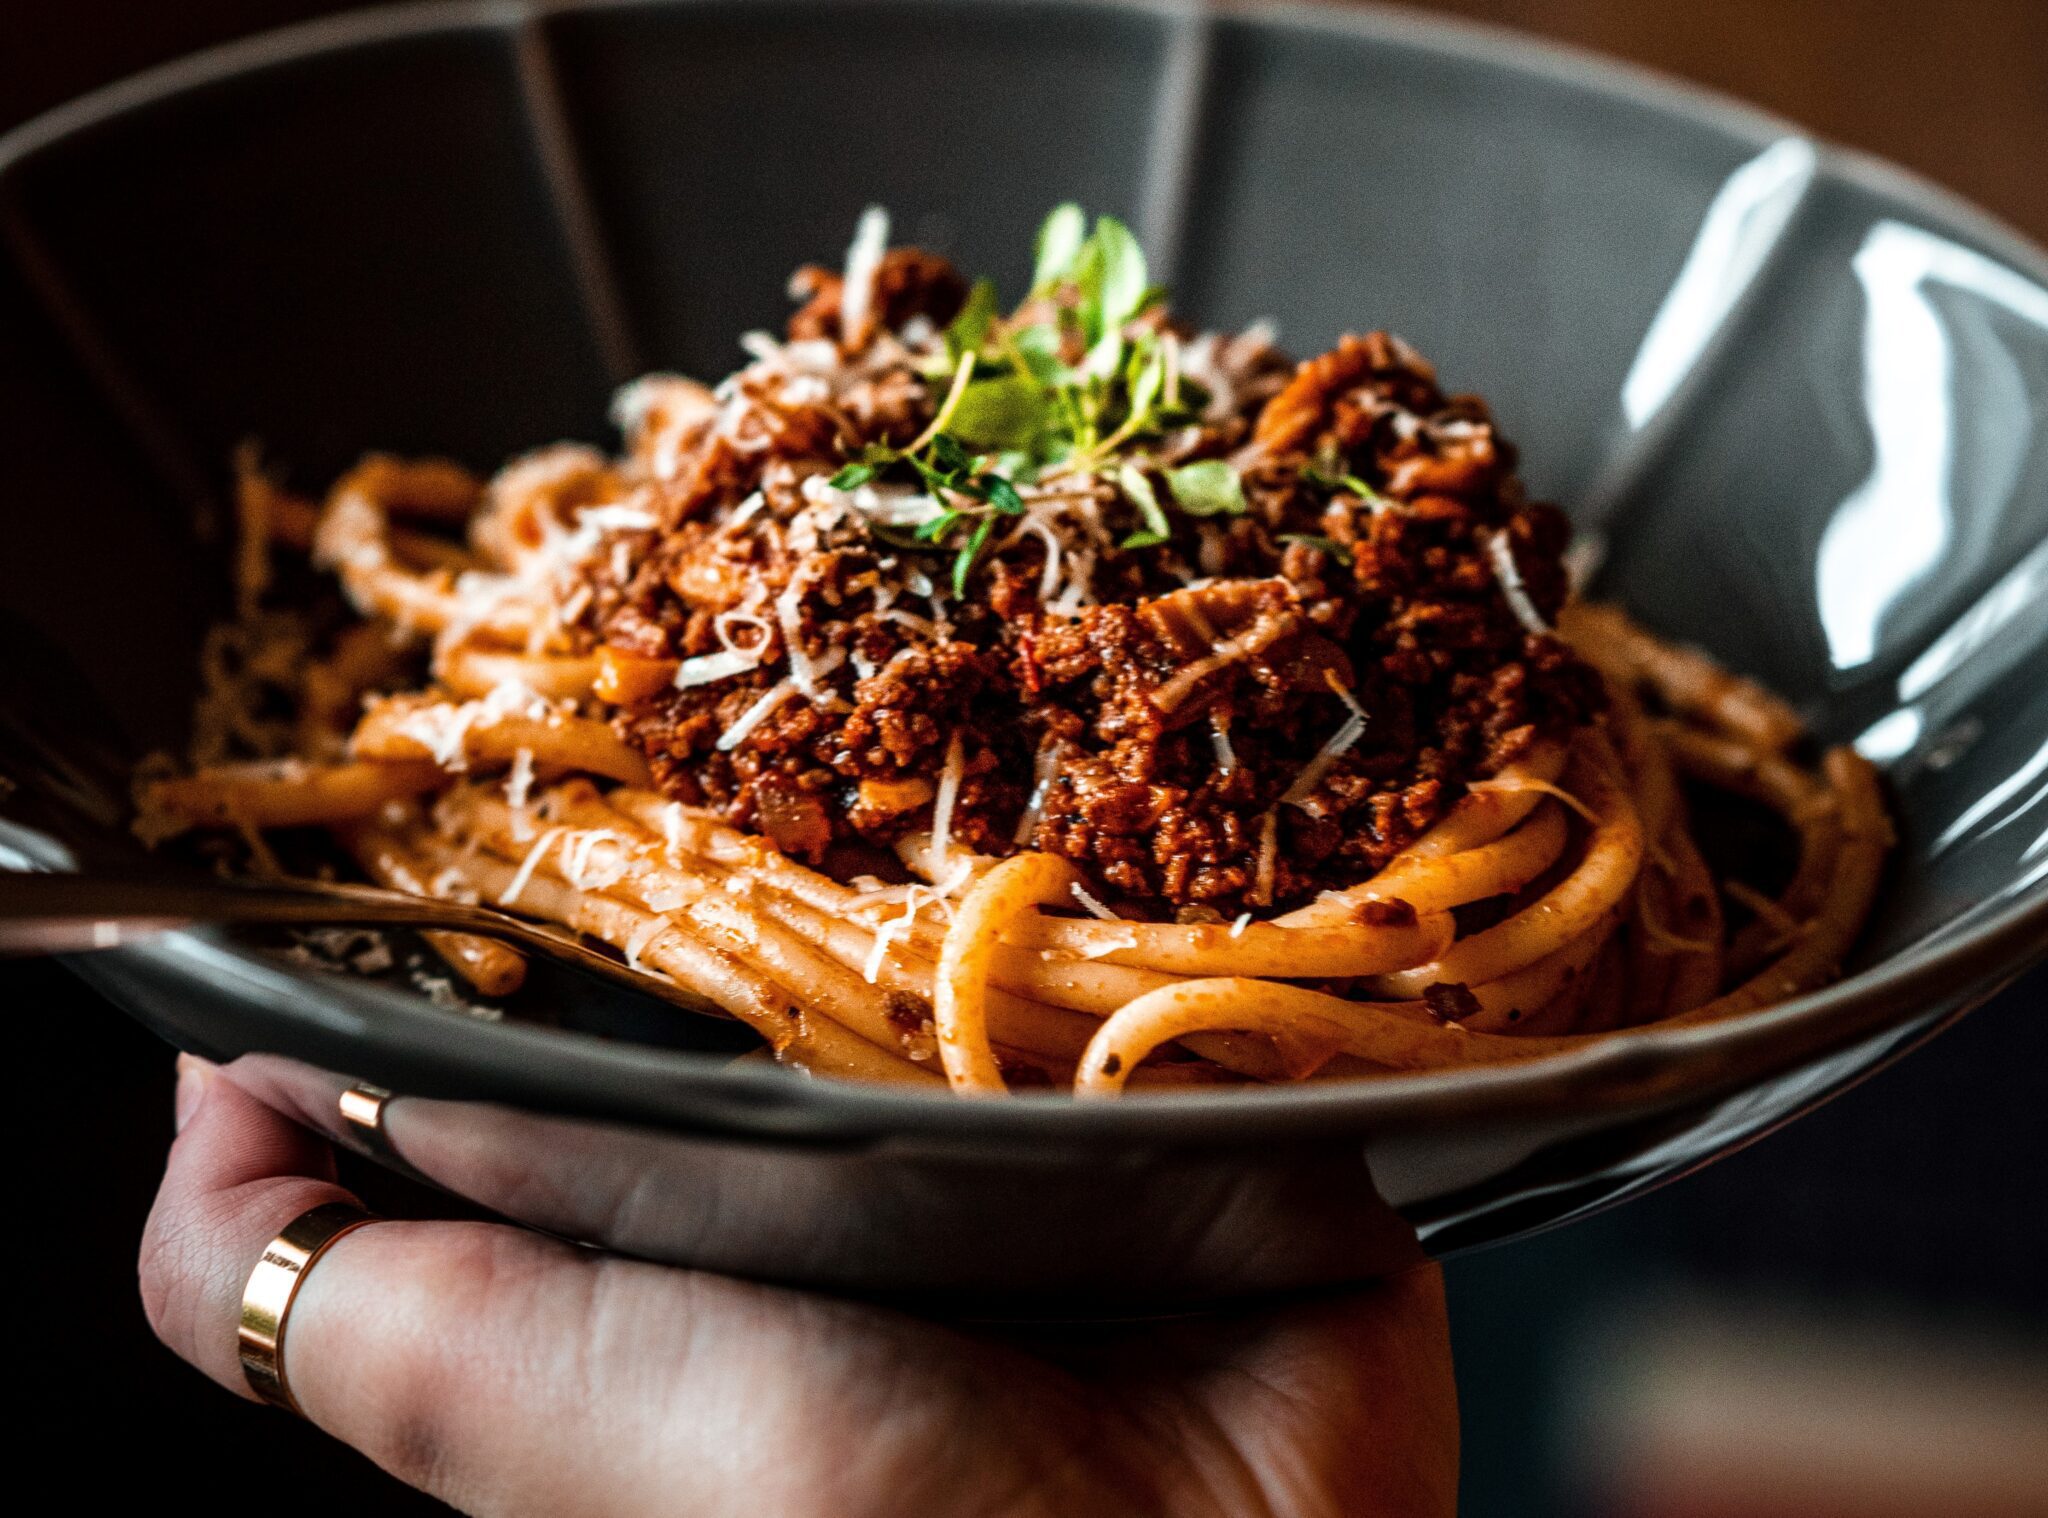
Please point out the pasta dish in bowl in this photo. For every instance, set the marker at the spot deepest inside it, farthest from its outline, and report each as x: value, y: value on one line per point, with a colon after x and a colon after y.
x: 1051, y: 697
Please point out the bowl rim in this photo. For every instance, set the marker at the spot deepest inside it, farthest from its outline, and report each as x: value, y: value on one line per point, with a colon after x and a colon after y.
x: 1635, y: 1068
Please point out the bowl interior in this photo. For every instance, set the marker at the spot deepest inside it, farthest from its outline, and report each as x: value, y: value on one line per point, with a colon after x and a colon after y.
x: 1800, y: 398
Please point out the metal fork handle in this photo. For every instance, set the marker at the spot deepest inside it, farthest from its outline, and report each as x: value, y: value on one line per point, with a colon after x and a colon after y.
x: 69, y: 914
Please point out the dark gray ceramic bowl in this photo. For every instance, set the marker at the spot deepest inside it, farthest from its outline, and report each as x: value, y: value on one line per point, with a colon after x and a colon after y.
x: 1801, y: 394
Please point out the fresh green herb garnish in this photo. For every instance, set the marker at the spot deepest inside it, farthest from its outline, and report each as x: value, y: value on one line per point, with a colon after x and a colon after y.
x: 1059, y: 242
x: 964, y: 560
x: 1207, y: 488
x: 969, y: 330
x: 1335, y: 479
x: 1006, y: 411
x: 1073, y: 386
x: 1138, y: 491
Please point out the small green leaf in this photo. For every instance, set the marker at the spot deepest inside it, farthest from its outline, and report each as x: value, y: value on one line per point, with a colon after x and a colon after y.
x: 948, y: 455
x: 1124, y: 279
x: 1038, y: 348
x: 1139, y: 490
x: 1017, y: 466
x: 969, y: 330
x: 1059, y: 242
x: 963, y: 374
x: 1329, y: 546
x: 1145, y: 539
x: 1336, y: 479
x: 1147, y: 383
x: 1207, y: 488
x: 1001, y: 494
x: 963, y: 562
x: 852, y: 476
x: 1086, y: 278
x: 937, y: 527
x: 1005, y: 412
x: 1105, y: 357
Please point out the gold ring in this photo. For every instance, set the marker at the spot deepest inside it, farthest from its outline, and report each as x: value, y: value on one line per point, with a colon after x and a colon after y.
x: 274, y: 1284
x: 362, y: 1111
x: 366, y: 1117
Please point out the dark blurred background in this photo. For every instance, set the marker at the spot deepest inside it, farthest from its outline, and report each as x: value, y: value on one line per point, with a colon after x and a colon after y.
x: 1849, y: 1319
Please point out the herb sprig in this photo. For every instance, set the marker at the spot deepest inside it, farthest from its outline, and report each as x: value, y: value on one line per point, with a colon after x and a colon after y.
x: 1073, y: 384
x: 952, y: 476
x: 1334, y: 478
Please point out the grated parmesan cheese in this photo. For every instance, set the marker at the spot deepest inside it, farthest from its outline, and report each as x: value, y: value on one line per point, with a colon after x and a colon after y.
x: 521, y: 878
x: 873, y: 893
x: 756, y: 714
x: 879, y: 505
x: 1094, y: 906
x: 1045, y: 768
x: 914, y: 897
x: 519, y: 779
x: 1343, y: 693
x: 518, y: 787
x: 1502, y: 554
x: 1253, y: 640
x: 1313, y: 772
x: 942, y: 804
x: 1219, y: 739
x: 706, y: 668
x: 741, y: 616
x: 580, y: 866
x: 863, y: 257
x: 594, y: 521
x: 886, y: 935
x: 803, y: 669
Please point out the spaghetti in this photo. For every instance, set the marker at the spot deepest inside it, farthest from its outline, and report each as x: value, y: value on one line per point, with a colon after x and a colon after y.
x: 1051, y: 698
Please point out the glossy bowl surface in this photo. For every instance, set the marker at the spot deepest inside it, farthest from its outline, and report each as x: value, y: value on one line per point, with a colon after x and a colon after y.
x: 1800, y: 395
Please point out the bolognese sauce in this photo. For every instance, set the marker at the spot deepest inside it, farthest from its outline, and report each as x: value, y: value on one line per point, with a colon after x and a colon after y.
x: 1162, y: 709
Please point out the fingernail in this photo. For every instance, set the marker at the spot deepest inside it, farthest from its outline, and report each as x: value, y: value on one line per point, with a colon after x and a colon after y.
x: 195, y: 1079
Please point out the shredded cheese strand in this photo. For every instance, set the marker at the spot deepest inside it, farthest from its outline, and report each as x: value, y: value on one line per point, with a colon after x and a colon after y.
x: 942, y: 804
x: 1219, y: 739
x: 756, y: 714
x: 863, y: 258
x: 1094, y: 905
x: 1502, y: 554
x: 524, y: 875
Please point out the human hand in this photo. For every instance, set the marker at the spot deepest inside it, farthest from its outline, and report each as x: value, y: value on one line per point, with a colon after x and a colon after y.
x: 507, y: 1373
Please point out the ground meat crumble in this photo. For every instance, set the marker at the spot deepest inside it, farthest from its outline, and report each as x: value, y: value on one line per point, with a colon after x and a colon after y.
x: 1147, y: 713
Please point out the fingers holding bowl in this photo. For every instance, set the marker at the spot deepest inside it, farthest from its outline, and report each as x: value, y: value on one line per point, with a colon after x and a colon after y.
x: 508, y: 1373
x: 237, y: 1175
x: 499, y: 1370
